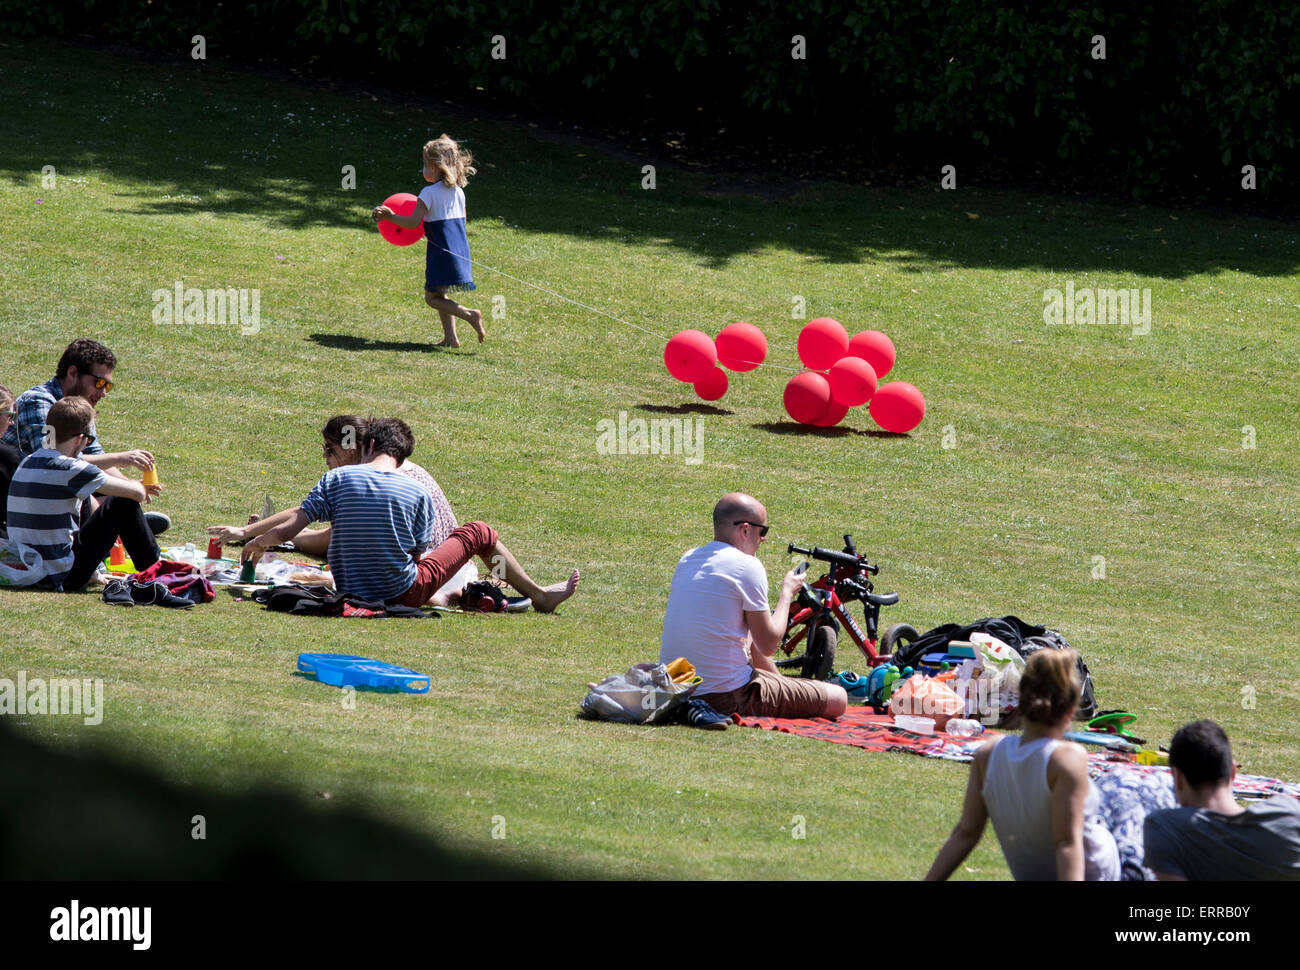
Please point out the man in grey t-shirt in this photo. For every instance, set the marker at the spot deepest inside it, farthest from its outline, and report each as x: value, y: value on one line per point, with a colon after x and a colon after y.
x: 1210, y: 836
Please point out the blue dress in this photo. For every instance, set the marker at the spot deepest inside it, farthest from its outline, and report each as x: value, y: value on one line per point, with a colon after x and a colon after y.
x: 447, y: 263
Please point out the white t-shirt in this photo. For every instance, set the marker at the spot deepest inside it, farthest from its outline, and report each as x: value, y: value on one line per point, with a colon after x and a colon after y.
x: 443, y: 201
x: 712, y: 588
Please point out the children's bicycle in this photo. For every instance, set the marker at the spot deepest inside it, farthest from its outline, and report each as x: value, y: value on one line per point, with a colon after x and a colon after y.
x: 822, y: 610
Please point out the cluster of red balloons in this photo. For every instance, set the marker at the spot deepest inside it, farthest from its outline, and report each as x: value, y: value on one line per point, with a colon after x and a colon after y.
x: 693, y: 356
x: 852, y: 369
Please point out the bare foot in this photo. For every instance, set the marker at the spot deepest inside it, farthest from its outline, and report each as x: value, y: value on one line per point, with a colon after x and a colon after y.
x: 553, y: 596
x: 476, y: 321
x: 448, y: 343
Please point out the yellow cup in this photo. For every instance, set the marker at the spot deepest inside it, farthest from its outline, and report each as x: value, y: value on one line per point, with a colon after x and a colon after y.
x: 150, y: 476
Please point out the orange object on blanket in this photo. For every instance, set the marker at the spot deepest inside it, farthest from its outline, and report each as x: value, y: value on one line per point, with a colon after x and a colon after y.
x: 927, y: 697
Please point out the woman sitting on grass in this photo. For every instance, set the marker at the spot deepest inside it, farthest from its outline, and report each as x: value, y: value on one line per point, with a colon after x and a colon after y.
x: 342, y: 440
x: 1035, y: 787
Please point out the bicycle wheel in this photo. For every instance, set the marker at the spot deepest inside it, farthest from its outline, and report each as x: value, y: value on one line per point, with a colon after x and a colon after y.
x: 819, y: 659
x: 897, y: 637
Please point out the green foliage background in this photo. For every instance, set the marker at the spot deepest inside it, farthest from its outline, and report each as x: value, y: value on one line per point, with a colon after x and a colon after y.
x: 1187, y: 92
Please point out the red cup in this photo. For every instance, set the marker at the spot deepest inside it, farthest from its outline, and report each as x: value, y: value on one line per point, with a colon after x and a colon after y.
x: 214, y: 548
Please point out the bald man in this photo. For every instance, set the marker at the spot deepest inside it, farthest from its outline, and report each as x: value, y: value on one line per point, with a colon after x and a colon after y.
x: 718, y: 619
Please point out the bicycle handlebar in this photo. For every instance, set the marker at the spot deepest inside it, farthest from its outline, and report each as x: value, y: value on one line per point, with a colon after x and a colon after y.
x: 852, y: 561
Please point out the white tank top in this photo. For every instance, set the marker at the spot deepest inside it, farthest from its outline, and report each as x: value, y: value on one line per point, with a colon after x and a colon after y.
x: 1020, y: 806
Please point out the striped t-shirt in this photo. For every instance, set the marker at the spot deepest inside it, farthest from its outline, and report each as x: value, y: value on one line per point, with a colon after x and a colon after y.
x: 44, y: 496
x: 380, y: 521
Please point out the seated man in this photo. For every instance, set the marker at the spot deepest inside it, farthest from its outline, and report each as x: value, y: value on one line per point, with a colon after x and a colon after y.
x: 44, y: 495
x: 718, y: 619
x: 381, y: 522
x: 1210, y: 836
x: 9, y: 454
x: 85, y: 370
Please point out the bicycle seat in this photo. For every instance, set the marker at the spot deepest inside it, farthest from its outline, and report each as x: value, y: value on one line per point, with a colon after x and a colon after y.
x: 888, y: 599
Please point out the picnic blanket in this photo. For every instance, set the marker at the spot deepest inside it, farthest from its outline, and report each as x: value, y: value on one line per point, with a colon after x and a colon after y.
x: 871, y: 732
x: 876, y: 732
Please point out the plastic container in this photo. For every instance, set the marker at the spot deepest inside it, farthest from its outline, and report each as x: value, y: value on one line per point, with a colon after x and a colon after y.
x: 964, y: 727
x: 917, y: 725
x: 345, y: 670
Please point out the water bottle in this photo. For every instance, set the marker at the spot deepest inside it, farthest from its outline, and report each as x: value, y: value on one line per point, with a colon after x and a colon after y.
x: 964, y: 727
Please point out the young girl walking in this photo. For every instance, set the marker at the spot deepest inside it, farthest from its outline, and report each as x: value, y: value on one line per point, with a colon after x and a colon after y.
x: 441, y: 207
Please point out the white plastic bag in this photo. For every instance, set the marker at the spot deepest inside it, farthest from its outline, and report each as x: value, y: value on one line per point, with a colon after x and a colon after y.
x: 644, y: 695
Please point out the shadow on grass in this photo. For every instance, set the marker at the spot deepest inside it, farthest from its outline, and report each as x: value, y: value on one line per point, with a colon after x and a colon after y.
x: 683, y: 409
x: 232, y: 142
x: 96, y: 814
x: 838, y: 431
x: 344, y: 341
x: 359, y: 688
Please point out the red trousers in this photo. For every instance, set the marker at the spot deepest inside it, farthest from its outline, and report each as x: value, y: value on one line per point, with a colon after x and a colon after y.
x: 436, y: 567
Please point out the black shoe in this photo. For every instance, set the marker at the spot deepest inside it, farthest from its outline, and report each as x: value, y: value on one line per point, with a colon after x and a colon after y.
x: 118, y: 593
x: 156, y: 594
x: 158, y: 522
x: 699, y: 714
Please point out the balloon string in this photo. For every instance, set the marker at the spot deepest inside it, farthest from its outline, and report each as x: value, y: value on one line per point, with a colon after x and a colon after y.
x: 585, y: 306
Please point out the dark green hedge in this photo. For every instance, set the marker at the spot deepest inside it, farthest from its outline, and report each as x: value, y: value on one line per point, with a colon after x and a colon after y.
x: 1198, y: 87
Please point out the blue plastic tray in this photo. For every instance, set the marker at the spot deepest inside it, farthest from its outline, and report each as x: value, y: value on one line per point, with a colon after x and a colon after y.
x: 344, y: 670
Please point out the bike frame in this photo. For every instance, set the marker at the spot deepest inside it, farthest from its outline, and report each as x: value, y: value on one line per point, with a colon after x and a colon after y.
x: 834, y: 607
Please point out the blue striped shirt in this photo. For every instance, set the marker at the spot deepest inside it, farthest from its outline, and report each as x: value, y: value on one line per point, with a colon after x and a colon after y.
x: 44, y: 496
x: 380, y: 521
x: 28, y: 429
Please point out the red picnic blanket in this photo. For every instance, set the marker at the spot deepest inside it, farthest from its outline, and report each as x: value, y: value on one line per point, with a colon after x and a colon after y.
x: 876, y: 732
x: 871, y: 732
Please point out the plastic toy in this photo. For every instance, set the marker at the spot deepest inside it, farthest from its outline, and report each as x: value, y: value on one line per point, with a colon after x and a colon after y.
x: 344, y: 670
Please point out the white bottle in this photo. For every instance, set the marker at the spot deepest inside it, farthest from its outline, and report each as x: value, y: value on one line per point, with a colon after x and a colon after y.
x: 964, y: 727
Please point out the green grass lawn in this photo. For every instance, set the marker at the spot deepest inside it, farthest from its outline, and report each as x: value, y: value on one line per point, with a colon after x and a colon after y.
x: 1044, y: 447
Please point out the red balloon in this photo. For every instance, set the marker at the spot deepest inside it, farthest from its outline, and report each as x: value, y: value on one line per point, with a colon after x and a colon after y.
x: 852, y: 381
x: 690, y: 355
x: 741, y: 346
x: 876, y: 349
x: 821, y: 343
x: 833, y: 414
x: 713, y: 386
x: 806, y: 396
x: 403, y: 203
x: 898, y: 406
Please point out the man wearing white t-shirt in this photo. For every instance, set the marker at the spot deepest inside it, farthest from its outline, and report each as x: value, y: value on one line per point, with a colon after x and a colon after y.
x: 718, y: 619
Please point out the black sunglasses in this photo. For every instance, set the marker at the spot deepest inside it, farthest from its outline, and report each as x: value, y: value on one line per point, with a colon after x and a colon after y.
x: 762, y: 529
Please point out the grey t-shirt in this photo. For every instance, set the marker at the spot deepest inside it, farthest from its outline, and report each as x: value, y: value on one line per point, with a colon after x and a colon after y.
x: 1263, y: 842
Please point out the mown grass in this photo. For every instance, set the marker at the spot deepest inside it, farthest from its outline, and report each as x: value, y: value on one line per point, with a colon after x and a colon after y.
x: 1069, y: 443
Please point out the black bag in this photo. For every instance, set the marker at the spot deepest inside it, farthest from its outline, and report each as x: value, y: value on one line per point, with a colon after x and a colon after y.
x: 483, y: 597
x: 1051, y: 640
x: 1015, y: 633
x: 300, y: 600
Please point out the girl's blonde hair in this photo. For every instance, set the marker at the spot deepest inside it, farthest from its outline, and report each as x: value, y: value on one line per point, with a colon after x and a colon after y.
x: 453, y: 164
x: 1049, y: 686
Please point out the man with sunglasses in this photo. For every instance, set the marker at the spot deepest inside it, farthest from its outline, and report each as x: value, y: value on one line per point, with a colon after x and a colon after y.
x: 85, y: 370
x: 718, y: 619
